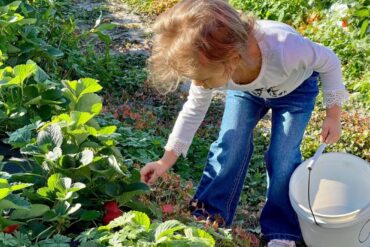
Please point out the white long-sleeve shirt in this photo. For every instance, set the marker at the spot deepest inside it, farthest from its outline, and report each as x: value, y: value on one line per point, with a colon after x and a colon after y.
x: 287, y: 60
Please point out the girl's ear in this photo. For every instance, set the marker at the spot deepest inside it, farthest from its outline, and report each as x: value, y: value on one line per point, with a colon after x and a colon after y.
x: 235, y: 59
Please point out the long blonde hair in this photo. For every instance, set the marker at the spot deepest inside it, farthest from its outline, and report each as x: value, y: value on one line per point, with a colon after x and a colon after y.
x: 193, y: 33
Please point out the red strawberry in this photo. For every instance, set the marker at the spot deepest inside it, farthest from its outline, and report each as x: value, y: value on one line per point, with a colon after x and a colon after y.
x: 167, y: 208
x: 111, y: 206
x: 11, y: 228
x: 111, y: 216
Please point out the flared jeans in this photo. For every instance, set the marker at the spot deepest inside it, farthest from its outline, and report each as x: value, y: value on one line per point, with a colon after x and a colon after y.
x: 218, y: 191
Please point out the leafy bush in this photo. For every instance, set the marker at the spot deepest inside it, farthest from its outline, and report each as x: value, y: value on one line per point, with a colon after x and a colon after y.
x: 355, y: 137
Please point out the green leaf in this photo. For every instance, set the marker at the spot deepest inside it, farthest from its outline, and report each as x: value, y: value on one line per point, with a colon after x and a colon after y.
x: 27, y: 21
x: 14, y: 201
x: 55, y: 182
x: 141, y: 219
x: 87, y: 85
x: 31, y: 149
x: 45, y: 192
x: 86, y: 103
x: 80, y: 118
x: 6, y: 239
x: 54, y: 52
x: 363, y: 29
x: 22, y: 72
x: 4, y: 183
x: 106, y: 26
x: 90, y: 215
x: 168, y: 228
x: 4, y: 192
x: 362, y: 13
x: 113, y: 163
x: 19, y: 186
x: 107, y: 130
x: 56, y: 241
x: 52, y: 134
x: 22, y: 136
x: 124, y: 219
x: 36, y: 210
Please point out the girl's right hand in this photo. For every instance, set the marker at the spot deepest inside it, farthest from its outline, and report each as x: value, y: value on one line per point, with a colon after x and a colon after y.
x: 152, y: 171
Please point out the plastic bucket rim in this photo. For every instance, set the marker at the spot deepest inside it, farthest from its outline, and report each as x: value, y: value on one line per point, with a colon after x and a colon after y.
x: 306, y: 214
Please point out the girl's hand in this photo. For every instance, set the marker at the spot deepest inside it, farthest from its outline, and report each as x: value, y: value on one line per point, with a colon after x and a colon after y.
x: 331, y: 130
x: 152, y: 171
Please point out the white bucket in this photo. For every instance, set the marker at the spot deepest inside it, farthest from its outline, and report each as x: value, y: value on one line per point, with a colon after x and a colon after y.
x: 340, y: 200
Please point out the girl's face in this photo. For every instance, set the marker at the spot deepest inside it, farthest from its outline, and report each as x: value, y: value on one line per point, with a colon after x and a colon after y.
x: 212, y: 76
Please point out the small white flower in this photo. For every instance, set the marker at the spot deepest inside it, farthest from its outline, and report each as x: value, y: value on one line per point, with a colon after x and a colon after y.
x: 54, y: 155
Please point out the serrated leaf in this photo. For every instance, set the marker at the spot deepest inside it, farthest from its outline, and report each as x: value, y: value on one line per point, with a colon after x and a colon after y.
x: 121, y: 221
x: 87, y: 85
x: 31, y: 149
x: 56, y: 241
x: 22, y: 136
x: 22, y: 72
x: 168, y: 228
x: 141, y: 219
x: 52, y: 134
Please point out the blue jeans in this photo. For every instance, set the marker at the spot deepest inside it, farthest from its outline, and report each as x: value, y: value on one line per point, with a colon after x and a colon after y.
x: 218, y: 191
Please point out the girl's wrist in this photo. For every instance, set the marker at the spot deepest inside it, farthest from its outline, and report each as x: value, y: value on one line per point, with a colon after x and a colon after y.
x: 169, y: 159
x: 334, y: 112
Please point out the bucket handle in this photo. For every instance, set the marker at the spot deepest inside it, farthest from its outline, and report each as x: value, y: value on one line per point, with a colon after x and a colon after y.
x: 309, y: 167
x: 362, y: 229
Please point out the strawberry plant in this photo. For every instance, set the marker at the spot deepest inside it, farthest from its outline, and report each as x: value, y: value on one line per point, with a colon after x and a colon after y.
x: 27, y: 94
x: 135, y: 229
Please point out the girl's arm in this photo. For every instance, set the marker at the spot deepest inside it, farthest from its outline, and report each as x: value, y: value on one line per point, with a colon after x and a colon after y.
x: 331, y: 128
x: 189, y: 120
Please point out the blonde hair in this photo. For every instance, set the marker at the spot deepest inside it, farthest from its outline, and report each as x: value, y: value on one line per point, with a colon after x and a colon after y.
x: 193, y: 33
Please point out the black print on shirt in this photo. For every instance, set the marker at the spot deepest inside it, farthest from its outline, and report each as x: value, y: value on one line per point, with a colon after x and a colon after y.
x: 272, y: 91
x: 257, y: 92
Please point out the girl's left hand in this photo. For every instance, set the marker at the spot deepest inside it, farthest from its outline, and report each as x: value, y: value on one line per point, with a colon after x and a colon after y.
x: 331, y: 130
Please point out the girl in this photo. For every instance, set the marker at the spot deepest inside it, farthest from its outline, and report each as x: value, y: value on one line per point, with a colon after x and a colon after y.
x: 262, y: 65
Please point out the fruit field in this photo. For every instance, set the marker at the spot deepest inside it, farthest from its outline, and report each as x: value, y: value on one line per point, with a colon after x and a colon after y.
x: 78, y: 121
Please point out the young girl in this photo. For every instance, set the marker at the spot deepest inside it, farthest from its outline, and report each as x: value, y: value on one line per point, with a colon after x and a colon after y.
x: 262, y: 65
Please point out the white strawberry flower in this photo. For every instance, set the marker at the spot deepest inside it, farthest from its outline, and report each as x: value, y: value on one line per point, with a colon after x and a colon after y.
x: 54, y: 155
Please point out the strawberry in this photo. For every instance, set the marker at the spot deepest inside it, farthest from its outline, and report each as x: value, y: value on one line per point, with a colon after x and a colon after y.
x: 111, y: 216
x: 112, y: 211
x: 11, y: 228
x: 167, y: 208
x: 111, y: 206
